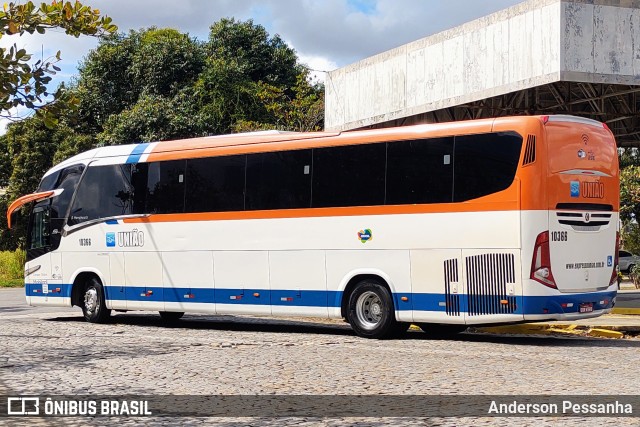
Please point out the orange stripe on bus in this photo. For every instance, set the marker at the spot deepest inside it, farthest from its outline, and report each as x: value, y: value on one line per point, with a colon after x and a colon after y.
x: 484, y: 204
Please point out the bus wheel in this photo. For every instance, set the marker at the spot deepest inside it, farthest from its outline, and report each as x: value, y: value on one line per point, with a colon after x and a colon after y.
x: 370, y: 311
x: 441, y: 331
x: 93, y: 305
x: 170, y: 316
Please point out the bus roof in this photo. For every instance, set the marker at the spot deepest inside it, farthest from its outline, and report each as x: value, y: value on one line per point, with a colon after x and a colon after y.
x: 243, y: 142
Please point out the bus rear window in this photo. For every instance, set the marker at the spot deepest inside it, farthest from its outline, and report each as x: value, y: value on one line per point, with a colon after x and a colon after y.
x: 580, y: 147
x: 484, y: 164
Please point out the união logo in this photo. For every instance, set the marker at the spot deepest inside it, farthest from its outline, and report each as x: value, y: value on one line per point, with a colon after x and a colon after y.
x: 128, y: 239
x: 575, y: 189
x: 365, y: 235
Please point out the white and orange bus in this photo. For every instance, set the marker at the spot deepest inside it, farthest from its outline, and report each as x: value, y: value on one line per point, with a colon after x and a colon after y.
x: 442, y: 225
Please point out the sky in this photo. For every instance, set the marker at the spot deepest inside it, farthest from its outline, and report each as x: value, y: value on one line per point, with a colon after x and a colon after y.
x: 327, y: 34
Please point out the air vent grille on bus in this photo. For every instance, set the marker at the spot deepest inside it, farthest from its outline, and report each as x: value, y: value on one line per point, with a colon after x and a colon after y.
x: 584, y: 206
x: 530, y: 151
x: 587, y: 221
x: 451, y: 275
x: 487, y: 278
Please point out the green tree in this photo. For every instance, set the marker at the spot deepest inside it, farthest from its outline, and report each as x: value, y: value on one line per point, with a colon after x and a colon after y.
x: 152, y: 118
x: 302, y: 111
x: 157, y: 84
x: 5, y: 162
x: 104, y: 86
x: 630, y: 194
x: 25, y: 84
x: 145, y: 67
x: 224, y: 95
x: 629, y: 156
x: 260, y: 57
x: 165, y: 61
x: 31, y: 146
x: 630, y: 207
x: 124, y: 69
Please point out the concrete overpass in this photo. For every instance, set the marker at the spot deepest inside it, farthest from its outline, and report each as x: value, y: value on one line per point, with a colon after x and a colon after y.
x: 578, y: 57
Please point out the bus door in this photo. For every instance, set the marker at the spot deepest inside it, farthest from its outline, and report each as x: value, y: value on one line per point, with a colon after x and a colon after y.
x: 583, y: 207
x: 39, y: 273
x: 115, y: 293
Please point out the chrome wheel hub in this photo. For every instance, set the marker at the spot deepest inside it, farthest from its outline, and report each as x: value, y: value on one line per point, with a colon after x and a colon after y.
x: 369, y: 309
x: 91, y: 300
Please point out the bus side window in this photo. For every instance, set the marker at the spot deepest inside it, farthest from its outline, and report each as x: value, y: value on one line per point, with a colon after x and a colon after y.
x: 139, y: 179
x: 419, y: 171
x: 215, y: 184
x: 166, y: 187
x: 68, y: 181
x: 105, y: 191
x: 352, y: 175
x: 279, y: 180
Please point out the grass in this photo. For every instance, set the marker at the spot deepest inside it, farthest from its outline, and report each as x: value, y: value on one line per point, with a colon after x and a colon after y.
x: 11, y: 283
x: 11, y: 269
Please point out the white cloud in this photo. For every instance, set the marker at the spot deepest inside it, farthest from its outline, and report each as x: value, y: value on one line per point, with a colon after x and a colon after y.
x: 318, y: 66
x: 332, y: 29
x: 326, y: 34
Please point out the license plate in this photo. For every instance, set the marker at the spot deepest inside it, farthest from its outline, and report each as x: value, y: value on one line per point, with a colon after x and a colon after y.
x: 586, y: 307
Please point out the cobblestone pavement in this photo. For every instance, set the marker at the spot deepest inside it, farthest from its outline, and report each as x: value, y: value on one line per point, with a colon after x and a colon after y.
x: 56, y: 352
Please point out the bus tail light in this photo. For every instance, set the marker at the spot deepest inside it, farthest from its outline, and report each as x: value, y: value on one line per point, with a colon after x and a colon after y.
x: 614, y: 273
x: 541, y: 262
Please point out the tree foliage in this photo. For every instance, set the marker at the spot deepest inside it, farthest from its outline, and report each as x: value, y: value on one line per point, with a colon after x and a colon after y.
x: 24, y: 84
x: 171, y: 86
x: 260, y: 57
x: 630, y: 194
x: 630, y: 207
x: 158, y: 84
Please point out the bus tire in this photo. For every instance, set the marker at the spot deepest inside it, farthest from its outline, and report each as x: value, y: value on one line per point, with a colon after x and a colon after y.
x: 370, y: 311
x: 441, y: 331
x: 93, y: 305
x: 171, y: 316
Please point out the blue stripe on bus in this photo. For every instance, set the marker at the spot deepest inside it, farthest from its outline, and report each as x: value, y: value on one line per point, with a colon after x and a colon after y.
x: 35, y: 290
x: 111, y: 222
x: 304, y: 298
x: 137, y: 152
x: 319, y: 298
x: 538, y: 304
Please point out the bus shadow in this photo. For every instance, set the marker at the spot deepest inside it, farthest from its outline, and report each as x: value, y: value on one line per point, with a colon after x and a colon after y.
x: 224, y: 323
x: 251, y: 324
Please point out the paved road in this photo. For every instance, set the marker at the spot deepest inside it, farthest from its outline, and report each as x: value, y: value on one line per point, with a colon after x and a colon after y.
x: 53, y: 351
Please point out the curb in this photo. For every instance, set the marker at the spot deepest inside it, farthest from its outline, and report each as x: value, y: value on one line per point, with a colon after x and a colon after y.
x: 625, y: 310
x: 605, y: 333
x: 550, y: 329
